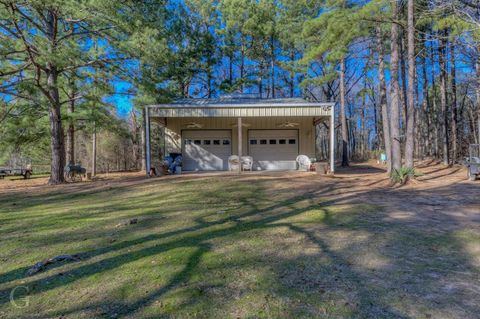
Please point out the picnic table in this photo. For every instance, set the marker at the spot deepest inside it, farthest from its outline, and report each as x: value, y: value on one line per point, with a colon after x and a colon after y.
x: 26, y: 172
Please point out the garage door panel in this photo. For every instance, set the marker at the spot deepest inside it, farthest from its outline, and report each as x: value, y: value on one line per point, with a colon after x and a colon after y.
x: 198, y: 158
x: 273, y: 149
x: 275, y: 165
x: 206, y: 150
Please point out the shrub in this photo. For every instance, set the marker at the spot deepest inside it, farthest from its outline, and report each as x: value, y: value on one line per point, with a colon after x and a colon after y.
x: 403, y: 175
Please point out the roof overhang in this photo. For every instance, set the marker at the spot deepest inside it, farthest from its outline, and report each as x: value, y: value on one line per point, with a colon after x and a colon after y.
x: 263, y: 108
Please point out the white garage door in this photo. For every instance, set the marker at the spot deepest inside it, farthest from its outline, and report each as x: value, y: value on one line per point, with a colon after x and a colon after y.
x: 206, y: 150
x: 273, y: 149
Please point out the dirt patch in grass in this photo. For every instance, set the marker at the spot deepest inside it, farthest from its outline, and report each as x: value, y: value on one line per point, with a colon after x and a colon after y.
x: 259, y: 245
x: 39, y: 184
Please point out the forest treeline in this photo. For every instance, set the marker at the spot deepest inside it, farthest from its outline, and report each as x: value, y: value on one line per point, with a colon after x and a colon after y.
x: 405, y: 74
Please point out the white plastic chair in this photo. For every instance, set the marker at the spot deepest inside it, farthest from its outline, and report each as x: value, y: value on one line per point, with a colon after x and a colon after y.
x: 247, y: 163
x: 233, y: 162
x: 304, y: 162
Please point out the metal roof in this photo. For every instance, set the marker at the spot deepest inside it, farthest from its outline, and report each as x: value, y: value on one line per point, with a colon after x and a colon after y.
x: 243, y: 106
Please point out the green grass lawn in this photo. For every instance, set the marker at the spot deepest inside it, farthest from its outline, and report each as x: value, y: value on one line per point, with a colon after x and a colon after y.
x: 224, y: 248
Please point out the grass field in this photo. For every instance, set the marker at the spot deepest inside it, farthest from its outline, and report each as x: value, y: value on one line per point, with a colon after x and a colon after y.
x: 283, y: 245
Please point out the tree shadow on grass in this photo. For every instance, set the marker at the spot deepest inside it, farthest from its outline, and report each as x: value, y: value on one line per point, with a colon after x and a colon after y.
x: 147, y: 211
x: 368, y: 291
x: 190, y: 239
x: 361, y: 289
x: 367, y: 299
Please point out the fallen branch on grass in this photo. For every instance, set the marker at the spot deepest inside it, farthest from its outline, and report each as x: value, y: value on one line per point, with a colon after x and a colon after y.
x: 40, y: 266
x: 130, y: 222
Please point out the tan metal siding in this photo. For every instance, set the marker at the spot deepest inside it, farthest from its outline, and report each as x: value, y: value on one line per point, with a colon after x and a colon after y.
x: 306, y: 130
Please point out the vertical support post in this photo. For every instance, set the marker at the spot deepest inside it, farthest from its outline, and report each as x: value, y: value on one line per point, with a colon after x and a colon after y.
x: 315, y: 144
x: 332, y: 139
x: 147, y: 140
x: 240, y: 142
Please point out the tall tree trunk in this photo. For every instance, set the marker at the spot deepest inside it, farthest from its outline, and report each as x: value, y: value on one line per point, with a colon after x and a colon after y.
x: 117, y: 158
x: 376, y: 146
x: 143, y: 141
x: 56, y: 130
x: 453, y: 74
x: 461, y: 116
x: 209, y: 82
x: 343, y: 115
x: 383, y: 98
x: 435, y: 113
x: 351, y: 138
x: 395, y: 94
x: 471, y: 122
x: 242, y: 64
x: 134, y: 133
x: 419, y: 149
x: 363, y: 132
x: 410, y: 132
x: 426, y: 107
x: 230, y: 68
x: 260, y: 80
x: 292, y: 74
x: 71, y: 126
x: 443, y: 98
x: 57, y: 143
x: 272, y: 61
x: 403, y: 95
x: 183, y: 89
x: 94, y: 150
x: 477, y: 90
x: 125, y: 157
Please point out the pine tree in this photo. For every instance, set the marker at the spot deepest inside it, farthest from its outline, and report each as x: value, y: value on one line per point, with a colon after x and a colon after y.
x: 331, y: 34
x: 53, y: 40
x: 383, y: 97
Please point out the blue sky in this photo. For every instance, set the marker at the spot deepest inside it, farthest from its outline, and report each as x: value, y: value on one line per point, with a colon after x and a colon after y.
x: 122, y: 101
